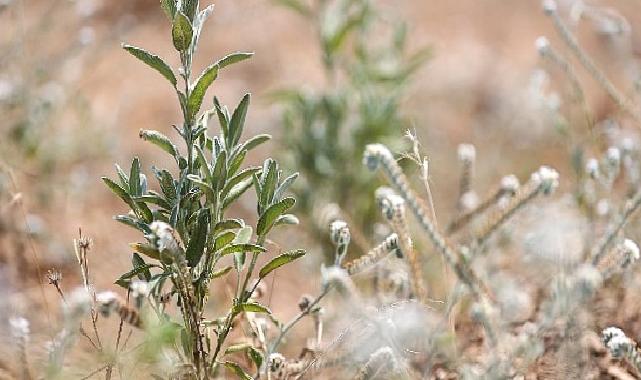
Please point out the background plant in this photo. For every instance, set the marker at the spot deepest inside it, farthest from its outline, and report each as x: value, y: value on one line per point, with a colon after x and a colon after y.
x: 323, y: 129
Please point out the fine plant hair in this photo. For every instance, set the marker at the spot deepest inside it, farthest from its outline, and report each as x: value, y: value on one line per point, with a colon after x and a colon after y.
x: 368, y: 66
x: 185, y: 225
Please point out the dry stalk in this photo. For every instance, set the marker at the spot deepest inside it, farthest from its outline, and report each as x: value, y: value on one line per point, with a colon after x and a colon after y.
x: 389, y: 245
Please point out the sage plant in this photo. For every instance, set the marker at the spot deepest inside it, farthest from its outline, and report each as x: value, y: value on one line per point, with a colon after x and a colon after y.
x: 185, y: 225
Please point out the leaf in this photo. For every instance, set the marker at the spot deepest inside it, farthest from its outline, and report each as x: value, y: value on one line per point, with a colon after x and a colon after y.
x: 232, y: 58
x: 154, y: 199
x: 223, y: 118
x: 237, y: 348
x: 227, y: 224
x: 269, y: 217
x: 134, y: 178
x: 235, y: 163
x: 287, y: 219
x: 160, y: 140
x: 236, y: 192
x: 220, y: 170
x: 120, y: 192
x: 256, y: 141
x: 234, y: 248
x: 181, y: 32
x: 124, y: 180
x: 238, y: 371
x: 133, y: 222
x: 189, y: 8
x: 281, y: 260
x: 256, y: 356
x: 138, y: 262
x: 205, y: 187
x: 252, y: 307
x: 153, y: 61
x: 146, y: 249
x: 237, y: 121
x: 244, y: 174
x: 223, y: 239
x: 125, y: 279
x: 198, y: 239
x: 268, y: 181
x: 204, y: 165
x: 203, y: 82
x: 244, y: 235
x: 221, y: 272
x: 280, y: 191
x: 167, y: 185
x: 169, y: 7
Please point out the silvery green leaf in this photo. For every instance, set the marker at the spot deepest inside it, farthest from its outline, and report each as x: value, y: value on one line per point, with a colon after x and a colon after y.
x: 269, y: 217
x: 205, y: 187
x: 255, y: 141
x: 287, y: 219
x: 124, y: 180
x: 220, y: 170
x: 281, y: 260
x: 236, y: 192
x: 198, y: 239
x: 160, y: 140
x: 200, y: 89
x: 223, y: 239
x: 154, y: 199
x: 181, y: 32
x: 133, y: 222
x: 244, y: 174
x: 190, y: 8
x: 227, y: 224
x: 134, y: 178
x: 240, y: 248
x: 169, y: 7
x: 204, y: 166
x: 223, y: 117
x: 280, y: 191
x: 235, y: 162
x: 120, y: 192
x: 146, y: 249
x: 269, y: 179
x: 237, y: 121
x: 153, y: 61
x: 232, y: 58
x: 167, y: 184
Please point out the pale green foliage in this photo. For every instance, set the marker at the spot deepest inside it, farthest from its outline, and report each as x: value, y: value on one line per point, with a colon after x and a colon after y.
x: 195, y: 201
x: 328, y: 128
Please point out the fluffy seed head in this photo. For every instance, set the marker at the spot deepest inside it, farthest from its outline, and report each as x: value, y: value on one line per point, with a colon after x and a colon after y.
x: 389, y: 202
x: 466, y: 152
x: 374, y: 154
x: 616, y: 341
x: 106, y: 301
x: 469, y: 200
x: 547, y: 178
x: 549, y: 6
x: 339, y: 232
x: 509, y: 184
x: 592, y: 168
x: 631, y: 250
x: 542, y: 45
x: 164, y: 235
x: 613, y: 155
x: 78, y: 304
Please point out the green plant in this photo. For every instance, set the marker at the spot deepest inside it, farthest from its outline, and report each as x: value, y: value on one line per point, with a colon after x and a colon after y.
x: 186, y: 224
x: 367, y: 70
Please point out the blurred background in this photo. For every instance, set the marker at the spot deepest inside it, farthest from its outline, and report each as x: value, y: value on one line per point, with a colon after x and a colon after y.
x: 451, y: 72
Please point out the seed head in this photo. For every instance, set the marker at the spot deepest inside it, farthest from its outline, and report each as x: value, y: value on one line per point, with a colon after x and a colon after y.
x: 54, y: 277
x: 509, y: 184
x: 592, y: 168
x: 613, y: 156
x: 549, y: 6
x: 339, y: 232
x: 616, y: 341
x: 466, y: 153
x: 164, y: 236
x: 547, y: 178
x: 542, y: 45
x: 374, y: 154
